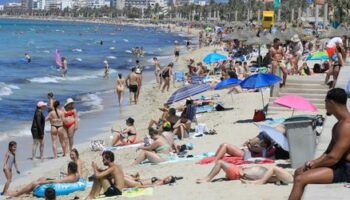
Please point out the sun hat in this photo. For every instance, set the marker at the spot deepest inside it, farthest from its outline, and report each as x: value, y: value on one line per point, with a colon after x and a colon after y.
x: 68, y: 101
x: 41, y: 104
x: 295, y: 38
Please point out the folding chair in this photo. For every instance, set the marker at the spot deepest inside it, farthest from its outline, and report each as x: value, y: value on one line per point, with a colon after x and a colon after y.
x: 179, y: 76
x: 196, y: 79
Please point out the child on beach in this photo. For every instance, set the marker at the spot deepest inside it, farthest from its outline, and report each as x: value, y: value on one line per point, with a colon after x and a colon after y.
x: 9, y: 161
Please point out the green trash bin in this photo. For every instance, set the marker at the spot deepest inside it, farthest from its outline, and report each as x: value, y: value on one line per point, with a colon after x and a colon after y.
x: 301, y: 138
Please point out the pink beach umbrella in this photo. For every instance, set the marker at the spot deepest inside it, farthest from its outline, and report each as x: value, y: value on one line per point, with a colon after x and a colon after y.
x: 295, y: 102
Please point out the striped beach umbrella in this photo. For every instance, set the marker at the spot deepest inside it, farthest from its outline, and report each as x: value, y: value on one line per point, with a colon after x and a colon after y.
x: 187, y: 91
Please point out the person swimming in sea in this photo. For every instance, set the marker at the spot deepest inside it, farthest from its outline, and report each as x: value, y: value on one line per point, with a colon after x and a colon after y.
x: 106, y: 69
x: 28, y: 58
x: 64, y: 67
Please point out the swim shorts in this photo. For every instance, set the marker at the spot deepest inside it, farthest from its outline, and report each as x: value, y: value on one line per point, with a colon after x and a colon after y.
x: 177, y: 53
x: 232, y: 172
x: 341, y: 172
x: 133, y: 88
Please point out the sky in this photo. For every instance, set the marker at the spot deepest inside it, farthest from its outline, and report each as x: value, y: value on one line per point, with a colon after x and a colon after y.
x: 7, y: 1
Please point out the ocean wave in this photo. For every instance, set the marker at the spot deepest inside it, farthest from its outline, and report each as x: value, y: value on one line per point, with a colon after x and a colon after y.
x: 128, y: 51
x: 111, y: 57
x: 111, y: 48
x: 79, y: 59
x: 125, y: 40
x: 77, y: 50
x: 92, y: 101
x: 20, y: 132
x: 7, y: 89
x: 56, y: 79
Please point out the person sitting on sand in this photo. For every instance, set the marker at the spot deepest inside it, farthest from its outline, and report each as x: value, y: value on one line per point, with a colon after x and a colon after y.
x: 158, y: 151
x: 259, y: 146
x: 253, y: 174
x: 71, y: 177
x: 126, y: 136
x: 182, y: 127
x: 170, y: 116
x: 74, y: 156
x: 132, y: 181
x: 110, y: 180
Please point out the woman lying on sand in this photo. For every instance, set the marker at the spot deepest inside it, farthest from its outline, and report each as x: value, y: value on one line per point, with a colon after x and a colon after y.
x: 259, y: 146
x: 254, y: 174
x: 71, y: 177
x: 158, y: 151
x: 134, y: 181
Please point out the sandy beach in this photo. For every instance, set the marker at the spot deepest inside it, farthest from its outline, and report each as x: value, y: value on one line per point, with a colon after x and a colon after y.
x: 229, y: 125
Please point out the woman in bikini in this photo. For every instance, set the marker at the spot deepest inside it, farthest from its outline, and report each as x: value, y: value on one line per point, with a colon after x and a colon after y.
x: 70, y: 121
x: 158, y: 151
x: 134, y: 181
x: 56, y: 120
x: 166, y: 73
x: 74, y: 156
x: 120, y: 85
x: 249, y: 174
x: 126, y: 136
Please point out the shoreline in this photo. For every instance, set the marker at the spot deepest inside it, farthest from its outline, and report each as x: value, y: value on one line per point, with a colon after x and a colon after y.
x: 105, y: 118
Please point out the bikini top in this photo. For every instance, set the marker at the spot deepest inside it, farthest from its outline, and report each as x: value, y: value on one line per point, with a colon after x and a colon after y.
x: 69, y: 113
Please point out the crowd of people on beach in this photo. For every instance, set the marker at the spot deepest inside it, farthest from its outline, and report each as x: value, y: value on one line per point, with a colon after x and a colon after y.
x: 161, y: 144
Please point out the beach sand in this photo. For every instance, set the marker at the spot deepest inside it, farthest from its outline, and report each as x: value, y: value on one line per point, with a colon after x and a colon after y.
x: 225, y: 123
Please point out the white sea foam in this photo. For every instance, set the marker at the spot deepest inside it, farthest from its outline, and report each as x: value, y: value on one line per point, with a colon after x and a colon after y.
x: 15, y: 133
x: 125, y: 40
x: 77, y: 50
x: 111, y: 48
x: 7, y: 89
x: 56, y: 79
x: 79, y: 59
x: 112, y: 57
x: 128, y: 51
x: 92, y: 101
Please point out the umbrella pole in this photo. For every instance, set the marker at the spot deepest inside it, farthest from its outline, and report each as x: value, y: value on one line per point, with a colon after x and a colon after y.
x: 292, y: 112
x: 262, y: 97
x: 232, y: 100
x: 259, y: 57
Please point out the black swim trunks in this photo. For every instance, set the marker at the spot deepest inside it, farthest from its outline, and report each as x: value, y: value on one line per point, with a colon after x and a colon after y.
x: 133, y: 88
x: 177, y: 53
x: 112, y: 191
x: 341, y: 172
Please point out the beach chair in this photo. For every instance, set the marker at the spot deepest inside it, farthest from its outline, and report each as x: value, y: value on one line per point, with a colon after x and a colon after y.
x: 179, y: 76
x: 196, y: 79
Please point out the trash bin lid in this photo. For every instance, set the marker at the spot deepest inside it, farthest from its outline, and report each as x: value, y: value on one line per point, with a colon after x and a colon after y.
x: 301, y: 118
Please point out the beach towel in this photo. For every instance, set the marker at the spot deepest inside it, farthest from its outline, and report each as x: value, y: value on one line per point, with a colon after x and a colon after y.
x: 131, y: 192
x: 114, y: 148
x: 236, y: 160
x: 177, y: 159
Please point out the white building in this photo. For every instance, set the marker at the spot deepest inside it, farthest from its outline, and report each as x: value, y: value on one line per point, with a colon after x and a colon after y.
x: 67, y: 4
x: 137, y: 3
x: 39, y: 4
x: 120, y: 4
x: 1, y: 7
x: 95, y: 3
x: 52, y: 4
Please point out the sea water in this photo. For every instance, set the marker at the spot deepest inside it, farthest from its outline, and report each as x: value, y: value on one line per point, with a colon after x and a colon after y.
x: 22, y: 84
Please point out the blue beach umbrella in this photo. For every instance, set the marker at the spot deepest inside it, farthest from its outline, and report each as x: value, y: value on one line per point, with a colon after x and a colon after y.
x: 260, y: 80
x: 227, y: 83
x: 214, y: 57
x: 187, y: 91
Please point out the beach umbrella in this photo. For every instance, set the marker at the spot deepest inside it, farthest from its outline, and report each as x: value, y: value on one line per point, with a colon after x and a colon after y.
x: 187, y: 91
x: 295, y: 102
x: 275, y: 135
x: 260, y: 80
x: 214, y: 57
x: 226, y: 83
x: 319, y: 55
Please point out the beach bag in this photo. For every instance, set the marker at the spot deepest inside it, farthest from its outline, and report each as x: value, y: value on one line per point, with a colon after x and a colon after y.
x: 259, y: 115
x: 97, y: 145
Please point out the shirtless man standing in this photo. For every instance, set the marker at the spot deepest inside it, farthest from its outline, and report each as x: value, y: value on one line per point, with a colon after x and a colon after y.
x: 111, y: 180
x: 333, y: 166
x: 157, y: 70
x: 133, y: 82
x: 277, y: 55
